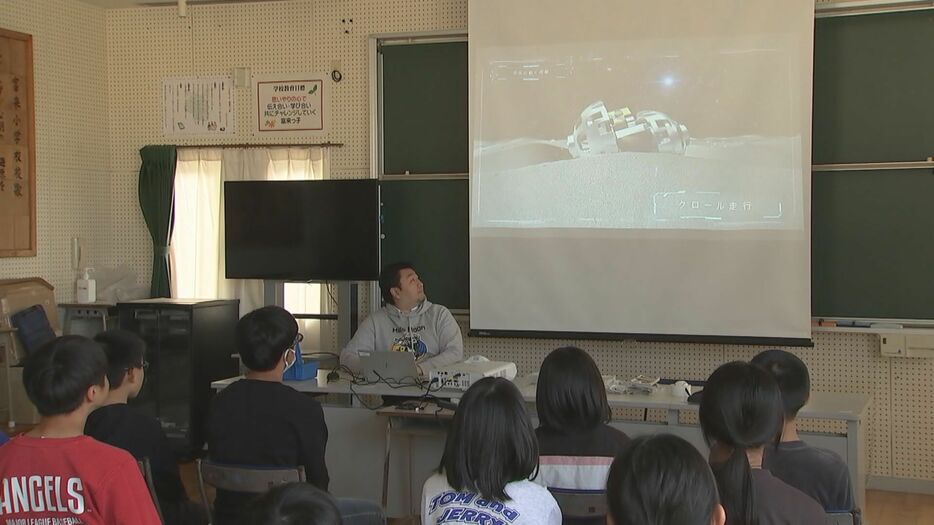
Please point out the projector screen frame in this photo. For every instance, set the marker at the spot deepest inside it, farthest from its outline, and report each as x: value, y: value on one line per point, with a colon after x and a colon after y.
x: 550, y: 277
x: 646, y: 338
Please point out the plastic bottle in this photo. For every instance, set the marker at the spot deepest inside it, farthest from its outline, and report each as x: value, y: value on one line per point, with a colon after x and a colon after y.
x: 86, y: 287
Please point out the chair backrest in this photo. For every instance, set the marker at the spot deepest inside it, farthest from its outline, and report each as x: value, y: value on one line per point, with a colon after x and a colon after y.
x: 580, y: 504
x: 146, y: 470
x: 238, y: 478
x: 840, y: 518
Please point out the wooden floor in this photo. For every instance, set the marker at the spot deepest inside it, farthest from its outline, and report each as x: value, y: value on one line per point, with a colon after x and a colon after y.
x: 891, y: 508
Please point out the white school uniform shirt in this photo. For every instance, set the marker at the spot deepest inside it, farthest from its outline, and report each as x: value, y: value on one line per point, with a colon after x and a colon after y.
x: 529, y: 504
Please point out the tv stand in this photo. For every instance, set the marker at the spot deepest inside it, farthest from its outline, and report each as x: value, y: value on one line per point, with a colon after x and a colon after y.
x: 347, y: 315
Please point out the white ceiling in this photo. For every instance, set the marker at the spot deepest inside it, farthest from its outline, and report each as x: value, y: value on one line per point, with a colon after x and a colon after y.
x: 114, y: 4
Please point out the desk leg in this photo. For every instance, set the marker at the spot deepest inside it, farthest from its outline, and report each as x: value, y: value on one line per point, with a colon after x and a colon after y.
x: 408, y: 479
x: 386, y: 462
x: 66, y: 327
x: 104, y: 319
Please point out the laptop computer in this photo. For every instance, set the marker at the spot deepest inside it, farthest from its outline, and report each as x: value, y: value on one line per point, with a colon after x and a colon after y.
x: 390, y: 366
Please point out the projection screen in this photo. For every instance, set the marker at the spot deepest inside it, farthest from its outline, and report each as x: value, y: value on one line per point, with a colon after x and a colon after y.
x: 641, y: 167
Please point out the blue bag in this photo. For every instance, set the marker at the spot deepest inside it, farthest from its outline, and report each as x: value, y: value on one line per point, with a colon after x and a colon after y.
x: 301, y: 370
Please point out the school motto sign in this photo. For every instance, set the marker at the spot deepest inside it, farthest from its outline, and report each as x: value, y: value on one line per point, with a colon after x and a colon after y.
x: 290, y: 103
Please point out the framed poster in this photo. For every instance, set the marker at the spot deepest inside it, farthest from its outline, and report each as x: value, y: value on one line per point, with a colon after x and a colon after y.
x: 291, y: 103
x: 17, y: 146
x: 199, y: 106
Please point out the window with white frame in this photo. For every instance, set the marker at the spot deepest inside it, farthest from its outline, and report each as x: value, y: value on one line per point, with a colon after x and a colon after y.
x: 197, y: 246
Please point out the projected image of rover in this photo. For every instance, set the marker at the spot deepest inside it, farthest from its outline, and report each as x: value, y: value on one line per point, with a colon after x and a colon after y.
x: 599, y: 132
x: 620, y: 169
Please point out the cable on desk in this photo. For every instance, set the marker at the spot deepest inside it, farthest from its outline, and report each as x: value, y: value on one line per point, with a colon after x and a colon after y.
x: 394, y: 384
x: 360, y: 399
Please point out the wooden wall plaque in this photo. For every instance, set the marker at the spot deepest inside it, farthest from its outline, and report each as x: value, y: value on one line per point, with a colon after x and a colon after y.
x: 17, y: 146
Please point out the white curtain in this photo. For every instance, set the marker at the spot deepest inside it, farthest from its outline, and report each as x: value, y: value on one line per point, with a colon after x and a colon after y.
x: 197, y: 247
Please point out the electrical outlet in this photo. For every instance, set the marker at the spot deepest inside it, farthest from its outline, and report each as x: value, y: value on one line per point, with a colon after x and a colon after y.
x: 893, y: 345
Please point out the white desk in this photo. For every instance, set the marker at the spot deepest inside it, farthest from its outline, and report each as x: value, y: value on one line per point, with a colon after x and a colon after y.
x: 358, y: 435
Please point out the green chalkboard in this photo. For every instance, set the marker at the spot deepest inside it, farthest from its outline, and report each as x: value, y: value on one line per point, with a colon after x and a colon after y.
x: 425, y: 223
x: 873, y: 231
x: 424, y: 108
x: 873, y: 244
x: 874, y: 88
x: 424, y: 132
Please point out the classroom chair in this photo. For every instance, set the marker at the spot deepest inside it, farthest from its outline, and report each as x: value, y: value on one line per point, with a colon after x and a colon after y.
x: 146, y: 470
x: 581, y: 504
x: 841, y: 518
x: 238, y: 478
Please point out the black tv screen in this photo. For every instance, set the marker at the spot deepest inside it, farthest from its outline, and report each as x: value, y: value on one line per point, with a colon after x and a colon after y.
x: 314, y: 230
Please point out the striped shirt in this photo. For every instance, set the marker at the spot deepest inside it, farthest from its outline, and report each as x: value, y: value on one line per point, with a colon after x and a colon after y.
x: 578, y: 461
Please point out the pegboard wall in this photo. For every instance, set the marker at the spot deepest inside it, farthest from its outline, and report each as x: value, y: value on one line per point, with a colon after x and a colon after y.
x: 113, y: 63
x: 899, y: 428
x: 145, y: 45
x: 73, y: 175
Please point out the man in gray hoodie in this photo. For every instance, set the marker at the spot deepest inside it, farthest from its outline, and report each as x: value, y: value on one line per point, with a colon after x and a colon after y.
x: 407, y: 323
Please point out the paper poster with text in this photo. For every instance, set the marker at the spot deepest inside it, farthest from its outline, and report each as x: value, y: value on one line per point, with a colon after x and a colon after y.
x: 290, y: 103
x: 200, y: 106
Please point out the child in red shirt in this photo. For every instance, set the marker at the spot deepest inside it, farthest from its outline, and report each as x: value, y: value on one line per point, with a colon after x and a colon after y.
x: 56, y: 474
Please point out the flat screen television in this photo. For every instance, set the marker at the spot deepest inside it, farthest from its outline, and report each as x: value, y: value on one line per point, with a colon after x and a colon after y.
x: 315, y: 230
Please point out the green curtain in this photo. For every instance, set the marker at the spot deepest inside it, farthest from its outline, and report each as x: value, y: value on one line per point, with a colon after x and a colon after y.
x: 157, y: 201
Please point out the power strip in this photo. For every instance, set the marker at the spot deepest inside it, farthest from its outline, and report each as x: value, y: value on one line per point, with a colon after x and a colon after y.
x: 461, y: 376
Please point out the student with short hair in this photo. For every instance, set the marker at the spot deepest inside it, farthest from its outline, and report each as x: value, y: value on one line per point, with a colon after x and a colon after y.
x: 662, y: 479
x: 489, y: 456
x: 293, y: 504
x: 741, y: 413
x: 56, y: 473
x: 117, y: 424
x: 259, y: 421
x: 817, y: 472
x: 575, y: 444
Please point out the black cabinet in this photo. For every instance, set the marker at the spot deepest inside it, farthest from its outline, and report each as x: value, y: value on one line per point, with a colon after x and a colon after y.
x: 189, y: 345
